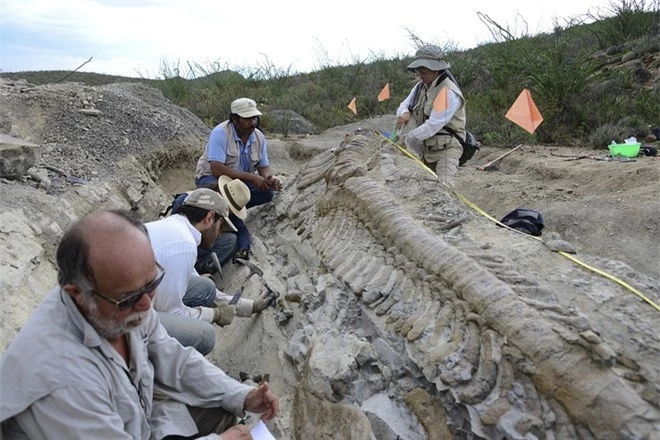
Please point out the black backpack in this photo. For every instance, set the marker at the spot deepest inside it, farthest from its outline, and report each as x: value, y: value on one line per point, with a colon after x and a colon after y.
x: 648, y: 150
x: 524, y: 220
x: 470, y: 144
x: 173, y: 207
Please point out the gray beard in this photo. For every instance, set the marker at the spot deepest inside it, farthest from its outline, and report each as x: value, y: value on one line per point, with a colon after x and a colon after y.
x: 111, y: 329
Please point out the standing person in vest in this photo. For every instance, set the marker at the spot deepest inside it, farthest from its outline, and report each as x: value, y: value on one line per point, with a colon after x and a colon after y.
x: 237, y: 149
x: 433, y: 133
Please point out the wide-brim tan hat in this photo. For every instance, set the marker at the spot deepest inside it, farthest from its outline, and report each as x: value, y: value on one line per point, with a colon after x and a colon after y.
x: 431, y: 57
x: 236, y: 193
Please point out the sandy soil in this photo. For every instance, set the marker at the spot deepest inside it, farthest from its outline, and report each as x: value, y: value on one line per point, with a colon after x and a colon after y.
x: 603, y: 207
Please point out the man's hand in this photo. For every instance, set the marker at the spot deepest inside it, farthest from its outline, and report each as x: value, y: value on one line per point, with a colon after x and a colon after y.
x: 224, y: 314
x: 402, y: 120
x: 261, y: 183
x: 273, y: 183
x: 262, y: 302
x: 236, y: 432
x: 262, y: 400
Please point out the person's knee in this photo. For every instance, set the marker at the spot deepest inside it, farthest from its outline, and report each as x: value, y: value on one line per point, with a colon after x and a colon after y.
x: 212, y: 420
x: 230, y: 240
x: 259, y: 197
x: 207, y: 290
x: 268, y: 196
x: 206, y: 340
x: 200, y: 292
x: 190, y: 332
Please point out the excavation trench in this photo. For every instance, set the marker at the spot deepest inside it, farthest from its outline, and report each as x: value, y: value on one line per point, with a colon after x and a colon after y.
x: 384, y: 313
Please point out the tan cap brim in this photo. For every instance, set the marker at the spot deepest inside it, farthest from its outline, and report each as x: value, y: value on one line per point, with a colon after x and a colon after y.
x: 249, y: 113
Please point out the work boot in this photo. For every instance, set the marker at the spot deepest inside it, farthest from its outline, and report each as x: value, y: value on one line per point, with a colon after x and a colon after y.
x: 211, y: 265
x: 242, y: 254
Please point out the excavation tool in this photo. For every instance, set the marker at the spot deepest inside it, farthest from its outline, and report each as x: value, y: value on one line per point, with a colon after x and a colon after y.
x: 492, y: 162
x: 255, y: 269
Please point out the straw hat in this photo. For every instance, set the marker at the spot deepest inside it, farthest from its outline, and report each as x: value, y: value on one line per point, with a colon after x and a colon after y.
x: 236, y: 193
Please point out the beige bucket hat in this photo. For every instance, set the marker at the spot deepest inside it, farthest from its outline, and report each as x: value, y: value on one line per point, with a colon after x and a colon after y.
x: 429, y: 56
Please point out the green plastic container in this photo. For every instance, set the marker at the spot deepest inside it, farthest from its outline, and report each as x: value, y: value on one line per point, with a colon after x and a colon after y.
x: 624, y: 150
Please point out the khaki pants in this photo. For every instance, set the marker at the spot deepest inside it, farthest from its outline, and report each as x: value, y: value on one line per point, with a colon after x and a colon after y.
x: 445, y: 164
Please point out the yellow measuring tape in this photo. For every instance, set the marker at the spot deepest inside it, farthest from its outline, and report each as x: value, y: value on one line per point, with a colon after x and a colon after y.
x: 488, y: 216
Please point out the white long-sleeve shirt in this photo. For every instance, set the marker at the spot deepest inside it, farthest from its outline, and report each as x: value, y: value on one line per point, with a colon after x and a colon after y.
x: 174, y: 241
x: 436, y: 120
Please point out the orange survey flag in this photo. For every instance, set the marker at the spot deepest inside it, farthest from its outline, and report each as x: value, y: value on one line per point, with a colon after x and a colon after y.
x: 351, y: 105
x: 440, y: 103
x: 385, y: 93
x: 524, y: 112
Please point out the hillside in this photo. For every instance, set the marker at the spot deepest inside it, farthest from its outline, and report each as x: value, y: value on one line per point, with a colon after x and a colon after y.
x: 593, y: 78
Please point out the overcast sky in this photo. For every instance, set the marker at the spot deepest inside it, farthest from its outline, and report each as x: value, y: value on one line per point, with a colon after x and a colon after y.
x: 135, y: 37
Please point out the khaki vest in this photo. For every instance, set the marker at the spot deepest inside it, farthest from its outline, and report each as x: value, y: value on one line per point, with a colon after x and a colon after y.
x: 233, y: 152
x: 422, y: 107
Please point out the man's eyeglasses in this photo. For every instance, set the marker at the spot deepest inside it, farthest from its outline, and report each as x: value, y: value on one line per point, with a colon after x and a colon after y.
x: 130, y: 299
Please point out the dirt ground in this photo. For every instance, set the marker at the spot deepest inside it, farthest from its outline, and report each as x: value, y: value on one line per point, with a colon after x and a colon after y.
x: 603, y: 206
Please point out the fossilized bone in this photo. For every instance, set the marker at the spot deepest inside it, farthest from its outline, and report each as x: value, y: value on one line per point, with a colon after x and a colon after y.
x: 492, y: 337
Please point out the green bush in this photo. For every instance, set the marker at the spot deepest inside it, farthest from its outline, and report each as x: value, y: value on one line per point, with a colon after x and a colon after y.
x: 625, y: 20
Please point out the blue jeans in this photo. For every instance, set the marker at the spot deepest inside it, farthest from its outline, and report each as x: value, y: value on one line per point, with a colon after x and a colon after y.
x: 192, y: 332
x: 257, y: 197
x: 200, y: 292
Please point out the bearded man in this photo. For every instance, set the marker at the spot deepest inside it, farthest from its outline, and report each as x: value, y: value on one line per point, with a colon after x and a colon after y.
x: 185, y: 301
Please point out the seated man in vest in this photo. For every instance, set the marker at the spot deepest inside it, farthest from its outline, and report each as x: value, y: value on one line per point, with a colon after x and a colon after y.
x: 237, y: 149
x: 93, y: 355
x: 435, y: 132
x: 185, y: 299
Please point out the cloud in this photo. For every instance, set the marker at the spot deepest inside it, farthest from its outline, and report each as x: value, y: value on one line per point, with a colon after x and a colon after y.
x: 125, y: 36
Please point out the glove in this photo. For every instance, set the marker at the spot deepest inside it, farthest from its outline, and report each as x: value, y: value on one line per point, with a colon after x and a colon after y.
x: 224, y: 314
x: 412, y: 143
x: 262, y: 302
